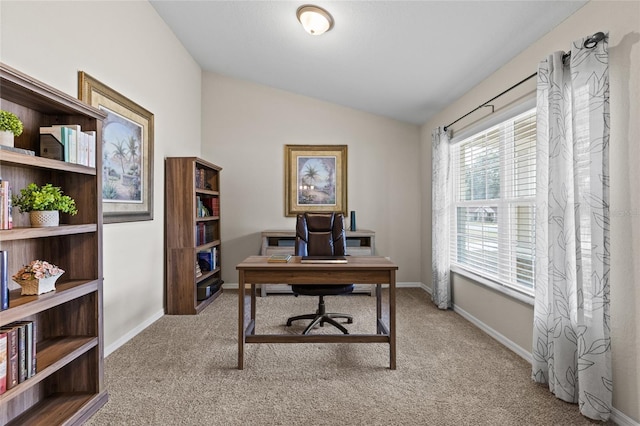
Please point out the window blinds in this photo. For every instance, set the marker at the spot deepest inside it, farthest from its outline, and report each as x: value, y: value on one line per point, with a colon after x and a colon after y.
x: 493, y: 215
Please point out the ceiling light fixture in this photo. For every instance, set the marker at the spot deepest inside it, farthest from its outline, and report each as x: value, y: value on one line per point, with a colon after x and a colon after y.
x: 314, y: 19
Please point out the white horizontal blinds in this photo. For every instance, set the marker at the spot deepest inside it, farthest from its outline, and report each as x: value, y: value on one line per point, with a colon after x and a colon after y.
x: 494, y: 194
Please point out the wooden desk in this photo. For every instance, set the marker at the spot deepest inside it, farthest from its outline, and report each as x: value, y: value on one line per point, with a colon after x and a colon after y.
x: 282, y: 241
x: 376, y: 270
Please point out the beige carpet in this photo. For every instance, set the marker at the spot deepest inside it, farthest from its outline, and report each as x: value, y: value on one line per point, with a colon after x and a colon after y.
x: 182, y: 371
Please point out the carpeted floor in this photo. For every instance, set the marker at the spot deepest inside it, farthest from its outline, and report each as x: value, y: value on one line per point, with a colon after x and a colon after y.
x: 181, y: 370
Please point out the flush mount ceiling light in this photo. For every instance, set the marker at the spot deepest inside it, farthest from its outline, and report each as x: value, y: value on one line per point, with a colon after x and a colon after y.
x: 314, y: 19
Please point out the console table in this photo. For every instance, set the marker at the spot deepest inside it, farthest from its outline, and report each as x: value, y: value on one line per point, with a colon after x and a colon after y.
x: 359, y: 243
x: 375, y: 270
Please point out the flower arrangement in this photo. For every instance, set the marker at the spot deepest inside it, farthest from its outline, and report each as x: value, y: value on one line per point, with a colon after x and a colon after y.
x: 46, y: 197
x: 10, y: 122
x: 37, y: 269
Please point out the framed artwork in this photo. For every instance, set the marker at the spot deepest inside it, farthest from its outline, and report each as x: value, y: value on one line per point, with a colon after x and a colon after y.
x: 315, y: 178
x: 127, y: 152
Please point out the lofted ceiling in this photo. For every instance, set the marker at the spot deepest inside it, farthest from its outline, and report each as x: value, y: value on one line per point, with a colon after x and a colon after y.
x: 406, y: 60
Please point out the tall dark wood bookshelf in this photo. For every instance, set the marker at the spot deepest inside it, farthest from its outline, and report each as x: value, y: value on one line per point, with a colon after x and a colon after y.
x: 68, y: 386
x: 192, y: 234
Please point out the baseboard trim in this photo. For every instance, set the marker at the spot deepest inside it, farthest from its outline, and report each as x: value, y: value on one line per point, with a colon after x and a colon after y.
x: 108, y: 350
x: 621, y: 419
x: 617, y: 416
x: 519, y: 350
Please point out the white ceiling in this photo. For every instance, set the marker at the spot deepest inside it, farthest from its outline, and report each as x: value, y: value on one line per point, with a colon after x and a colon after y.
x: 406, y: 60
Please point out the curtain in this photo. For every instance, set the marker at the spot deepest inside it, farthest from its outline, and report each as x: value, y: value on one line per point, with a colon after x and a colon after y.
x: 571, y: 343
x: 440, y: 204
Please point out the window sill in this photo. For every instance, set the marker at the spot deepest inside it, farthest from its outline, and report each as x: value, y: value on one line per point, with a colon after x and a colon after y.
x: 507, y: 291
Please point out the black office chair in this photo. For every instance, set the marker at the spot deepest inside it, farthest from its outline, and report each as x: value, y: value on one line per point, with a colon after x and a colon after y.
x: 321, y: 234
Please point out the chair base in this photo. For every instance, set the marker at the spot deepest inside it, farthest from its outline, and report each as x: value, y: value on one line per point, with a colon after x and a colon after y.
x: 321, y: 317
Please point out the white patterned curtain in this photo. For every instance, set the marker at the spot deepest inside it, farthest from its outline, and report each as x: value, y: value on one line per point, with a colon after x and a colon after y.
x: 571, y: 343
x: 440, y: 204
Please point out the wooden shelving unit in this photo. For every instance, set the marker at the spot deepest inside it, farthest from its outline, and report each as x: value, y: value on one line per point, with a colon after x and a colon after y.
x: 68, y: 386
x: 191, y: 233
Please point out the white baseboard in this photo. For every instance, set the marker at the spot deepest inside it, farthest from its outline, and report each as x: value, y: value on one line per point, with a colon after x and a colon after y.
x: 108, y: 350
x: 621, y: 419
x: 617, y: 416
x: 519, y: 350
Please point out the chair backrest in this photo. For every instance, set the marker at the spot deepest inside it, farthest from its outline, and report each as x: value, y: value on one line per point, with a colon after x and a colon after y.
x: 320, y: 234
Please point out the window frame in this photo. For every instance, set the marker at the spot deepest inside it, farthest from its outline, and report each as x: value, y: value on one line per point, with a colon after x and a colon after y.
x: 518, y: 292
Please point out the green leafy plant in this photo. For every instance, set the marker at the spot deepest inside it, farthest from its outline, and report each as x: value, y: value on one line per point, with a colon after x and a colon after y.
x: 10, y: 122
x: 46, y: 197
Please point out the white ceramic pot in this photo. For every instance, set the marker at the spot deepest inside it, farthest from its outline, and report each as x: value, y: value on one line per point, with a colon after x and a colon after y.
x: 41, y: 219
x: 6, y: 138
x: 38, y: 286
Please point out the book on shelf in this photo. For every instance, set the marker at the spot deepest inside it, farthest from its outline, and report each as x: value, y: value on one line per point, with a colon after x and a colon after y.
x: 207, y: 259
x: 3, y: 362
x: 6, y: 219
x: 4, y: 280
x: 12, y: 355
x: 279, y: 258
x: 30, y: 347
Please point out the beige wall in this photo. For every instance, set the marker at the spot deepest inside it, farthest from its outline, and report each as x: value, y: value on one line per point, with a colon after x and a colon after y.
x: 129, y: 48
x: 622, y: 20
x: 244, y: 129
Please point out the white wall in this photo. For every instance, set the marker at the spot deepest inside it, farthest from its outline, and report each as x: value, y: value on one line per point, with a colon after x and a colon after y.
x: 244, y: 129
x: 622, y: 20
x: 128, y: 47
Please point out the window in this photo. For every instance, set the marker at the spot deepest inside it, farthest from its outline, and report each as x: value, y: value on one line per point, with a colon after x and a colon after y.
x: 493, y: 209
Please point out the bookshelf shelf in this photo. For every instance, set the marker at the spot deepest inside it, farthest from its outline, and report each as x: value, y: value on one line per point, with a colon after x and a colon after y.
x: 191, y: 183
x: 68, y: 384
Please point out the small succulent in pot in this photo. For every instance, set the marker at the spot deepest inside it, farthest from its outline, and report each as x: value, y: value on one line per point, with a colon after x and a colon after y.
x: 9, y: 122
x: 46, y: 197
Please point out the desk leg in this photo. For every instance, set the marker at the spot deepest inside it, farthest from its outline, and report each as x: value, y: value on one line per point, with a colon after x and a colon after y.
x: 379, y: 308
x: 241, y: 325
x: 253, y: 308
x: 392, y: 320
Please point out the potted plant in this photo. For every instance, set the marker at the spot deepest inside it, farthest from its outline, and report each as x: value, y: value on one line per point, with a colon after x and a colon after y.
x: 44, y: 204
x: 10, y: 126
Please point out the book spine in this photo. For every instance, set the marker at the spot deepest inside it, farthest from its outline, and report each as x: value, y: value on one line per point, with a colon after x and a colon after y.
x: 92, y: 147
x: 3, y: 362
x: 12, y: 355
x: 4, y: 280
x: 22, y: 355
x: 29, y: 348
x: 64, y: 139
x: 73, y: 145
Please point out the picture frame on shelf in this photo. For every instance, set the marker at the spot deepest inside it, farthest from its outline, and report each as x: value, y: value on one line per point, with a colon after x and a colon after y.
x: 127, y: 152
x: 315, y: 178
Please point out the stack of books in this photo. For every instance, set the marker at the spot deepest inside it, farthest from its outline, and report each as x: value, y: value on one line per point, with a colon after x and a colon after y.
x: 17, y: 353
x: 68, y: 143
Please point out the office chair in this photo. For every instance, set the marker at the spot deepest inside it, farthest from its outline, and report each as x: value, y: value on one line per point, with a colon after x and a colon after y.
x: 321, y: 234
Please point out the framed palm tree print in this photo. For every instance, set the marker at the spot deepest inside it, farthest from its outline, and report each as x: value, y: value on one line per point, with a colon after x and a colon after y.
x: 127, y: 152
x: 315, y: 178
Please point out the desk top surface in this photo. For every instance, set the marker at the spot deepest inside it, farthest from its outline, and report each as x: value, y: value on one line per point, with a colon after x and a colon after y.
x: 353, y: 262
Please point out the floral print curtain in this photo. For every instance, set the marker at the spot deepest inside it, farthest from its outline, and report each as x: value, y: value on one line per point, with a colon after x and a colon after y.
x: 571, y: 343
x: 441, y: 203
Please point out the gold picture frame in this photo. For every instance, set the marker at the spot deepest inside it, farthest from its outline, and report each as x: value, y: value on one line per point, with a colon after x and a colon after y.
x: 315, y: 178
x: 127, y: 152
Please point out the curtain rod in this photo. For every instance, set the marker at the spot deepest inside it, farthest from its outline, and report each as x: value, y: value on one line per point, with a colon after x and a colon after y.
x: 589, y: 43
x: 490, y: 100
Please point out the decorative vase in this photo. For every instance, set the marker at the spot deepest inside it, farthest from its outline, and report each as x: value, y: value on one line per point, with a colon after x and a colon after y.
x: 40, y: 219
x: 6, y: 138
x: 38, y: 286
